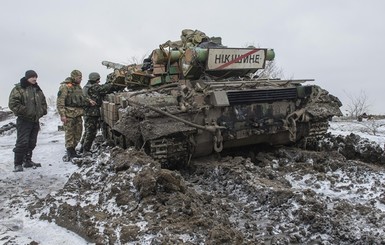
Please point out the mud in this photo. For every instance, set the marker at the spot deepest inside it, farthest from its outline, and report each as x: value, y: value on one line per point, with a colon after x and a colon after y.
x: 287, y: 195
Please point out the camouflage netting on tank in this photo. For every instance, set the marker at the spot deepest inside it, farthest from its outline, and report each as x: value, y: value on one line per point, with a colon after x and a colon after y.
x: 188, y: 38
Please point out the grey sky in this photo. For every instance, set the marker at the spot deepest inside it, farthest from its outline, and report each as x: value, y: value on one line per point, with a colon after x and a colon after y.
x: 338, y: 43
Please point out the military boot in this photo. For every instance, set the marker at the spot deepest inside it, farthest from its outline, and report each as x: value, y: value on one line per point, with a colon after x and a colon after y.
x: 81, y: 150
x: 28, y: 163
x: 71, y: 152
x: 18, y: 162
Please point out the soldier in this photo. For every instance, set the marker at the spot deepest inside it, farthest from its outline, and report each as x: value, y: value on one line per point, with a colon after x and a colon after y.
x: 94, y: 91
x: 70, y: 104
x: 28, y: 103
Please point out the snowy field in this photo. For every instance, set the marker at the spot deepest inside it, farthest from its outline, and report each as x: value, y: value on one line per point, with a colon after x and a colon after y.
x: 374, y: 130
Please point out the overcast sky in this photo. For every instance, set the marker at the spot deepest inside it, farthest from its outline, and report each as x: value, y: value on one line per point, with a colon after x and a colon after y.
x: 338, y: 43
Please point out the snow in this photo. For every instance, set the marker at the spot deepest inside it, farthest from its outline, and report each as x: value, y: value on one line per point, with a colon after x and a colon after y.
x: 374, y: 130
x: 18, y: 190
x: 355, y: 191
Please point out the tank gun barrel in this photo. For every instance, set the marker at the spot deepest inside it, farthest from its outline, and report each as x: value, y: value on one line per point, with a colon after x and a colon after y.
x: 114, y: 65
x: 161, y: 56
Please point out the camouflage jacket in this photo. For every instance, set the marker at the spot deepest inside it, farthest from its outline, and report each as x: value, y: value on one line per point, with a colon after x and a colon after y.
x: 70, y: 99
x: 96, y: 92
x: 27, y: 101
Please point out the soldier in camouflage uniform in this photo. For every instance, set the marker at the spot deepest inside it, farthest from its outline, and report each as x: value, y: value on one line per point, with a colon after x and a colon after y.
x: 28, y: 103
x: 94, y: 91
x: 70, y: 105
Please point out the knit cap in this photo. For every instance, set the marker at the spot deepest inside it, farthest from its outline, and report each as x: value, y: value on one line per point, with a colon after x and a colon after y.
x: 30, y: 73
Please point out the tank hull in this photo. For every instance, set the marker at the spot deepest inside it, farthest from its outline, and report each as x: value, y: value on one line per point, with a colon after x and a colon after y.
x: 194, y: 97
x: 177, y: 123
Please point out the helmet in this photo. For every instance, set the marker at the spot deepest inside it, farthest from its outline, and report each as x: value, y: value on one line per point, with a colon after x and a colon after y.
x: 75, y: 73
x: 94, y: 76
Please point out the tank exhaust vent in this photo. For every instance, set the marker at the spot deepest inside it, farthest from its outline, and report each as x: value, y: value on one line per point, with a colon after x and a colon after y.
x: 258, y: 96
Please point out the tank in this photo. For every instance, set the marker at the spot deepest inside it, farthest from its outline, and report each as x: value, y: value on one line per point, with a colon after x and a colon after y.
x: 195, y: 96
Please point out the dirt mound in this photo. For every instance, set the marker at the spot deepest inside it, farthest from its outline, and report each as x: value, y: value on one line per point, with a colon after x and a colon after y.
x: 127, y: 198
x: 285, y: 196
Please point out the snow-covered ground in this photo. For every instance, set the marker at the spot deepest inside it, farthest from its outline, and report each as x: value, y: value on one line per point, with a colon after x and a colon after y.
x: 374, y: 130
x: 18, y: 190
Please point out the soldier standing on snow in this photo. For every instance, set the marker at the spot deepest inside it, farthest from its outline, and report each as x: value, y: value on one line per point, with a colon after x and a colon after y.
x: 94, y: 91
x: 28, y: 103
x: 70, y: 103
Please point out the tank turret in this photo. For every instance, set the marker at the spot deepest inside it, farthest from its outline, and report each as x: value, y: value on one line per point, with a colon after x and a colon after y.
x: 195, y: 56
x: 195, y: 96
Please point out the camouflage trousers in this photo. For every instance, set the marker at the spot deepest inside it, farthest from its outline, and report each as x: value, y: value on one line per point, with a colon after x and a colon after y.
x: 91, y: 126
x: 73, y: 131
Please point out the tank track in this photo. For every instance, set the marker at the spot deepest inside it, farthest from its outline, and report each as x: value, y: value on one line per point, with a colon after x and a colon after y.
x: 316, y: 131
x: 170, y: 152
x: 173, y: 152
x: 318, y: 128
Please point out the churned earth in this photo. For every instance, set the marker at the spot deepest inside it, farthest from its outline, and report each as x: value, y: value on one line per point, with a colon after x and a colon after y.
x: 331, y: 194
x: 284, y: 196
